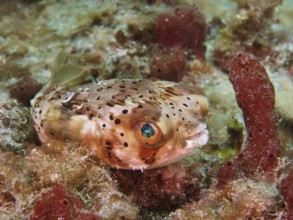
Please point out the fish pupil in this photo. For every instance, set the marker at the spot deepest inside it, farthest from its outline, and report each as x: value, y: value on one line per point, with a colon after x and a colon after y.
x: 147, y: 131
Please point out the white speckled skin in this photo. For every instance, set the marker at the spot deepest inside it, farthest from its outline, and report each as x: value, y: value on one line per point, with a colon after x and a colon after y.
x: 104, y: 115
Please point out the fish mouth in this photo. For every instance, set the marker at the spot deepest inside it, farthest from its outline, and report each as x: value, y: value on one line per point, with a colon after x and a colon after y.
x: 199, y: 138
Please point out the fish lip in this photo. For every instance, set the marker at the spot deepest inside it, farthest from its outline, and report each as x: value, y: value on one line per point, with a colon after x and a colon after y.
x: 199, y: 133
x: 199, y: 138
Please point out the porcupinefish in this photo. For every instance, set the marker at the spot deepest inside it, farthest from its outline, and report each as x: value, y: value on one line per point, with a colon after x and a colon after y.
x: 129, y: 124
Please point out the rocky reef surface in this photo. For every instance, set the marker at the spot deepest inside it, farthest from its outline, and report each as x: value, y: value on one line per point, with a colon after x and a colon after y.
x: 239, y: 53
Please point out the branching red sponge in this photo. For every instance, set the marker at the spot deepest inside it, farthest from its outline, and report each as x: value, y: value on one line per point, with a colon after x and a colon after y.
x: 183, y: 28
x: 255, y: 96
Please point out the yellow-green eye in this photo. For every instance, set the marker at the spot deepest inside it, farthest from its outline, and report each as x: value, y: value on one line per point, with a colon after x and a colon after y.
x: 148, y: 134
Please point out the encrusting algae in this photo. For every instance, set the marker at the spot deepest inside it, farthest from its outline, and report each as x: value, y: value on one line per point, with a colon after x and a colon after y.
x: 130, y: 124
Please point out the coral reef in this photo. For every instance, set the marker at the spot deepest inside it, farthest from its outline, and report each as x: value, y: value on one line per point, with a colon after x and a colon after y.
x: 254, y: 91
x: 49, y: 41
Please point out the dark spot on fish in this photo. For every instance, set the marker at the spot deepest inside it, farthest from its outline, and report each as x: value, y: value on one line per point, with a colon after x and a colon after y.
x: 188, y: 98
x: 108, y: 143
x: 99, y: 89
x: 125, y: 144
x: 185, y: 105
x: 134, y: 82
x: 140, y: 96
x: 110, y: 103
x: 179, y: 110
x: 104, y: 125
x: 117, y: 121
x: 91, y: 116
x: 98, y: 98
x: 111, y: 117
x: 183, y: 119
x: 122, y: 86
x: 139, y: 106
x: 40, y: 112
x: 121, y: 134
x: 167, y: 116
x: 125, y: 111
x: 109, y: 87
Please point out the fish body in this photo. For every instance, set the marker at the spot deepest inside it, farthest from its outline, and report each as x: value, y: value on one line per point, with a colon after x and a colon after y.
x: 130, y: 124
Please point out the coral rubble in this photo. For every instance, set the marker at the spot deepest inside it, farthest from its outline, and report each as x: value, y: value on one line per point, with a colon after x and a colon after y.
x: 249, y: 31
x: 241, y: 199
x: 31, y: 185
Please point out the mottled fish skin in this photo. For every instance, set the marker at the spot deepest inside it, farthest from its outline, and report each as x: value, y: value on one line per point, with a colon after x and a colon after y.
x: 130, y: 124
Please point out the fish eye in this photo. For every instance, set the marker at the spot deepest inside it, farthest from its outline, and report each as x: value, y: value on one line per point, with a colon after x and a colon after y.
x: 148, y: 134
